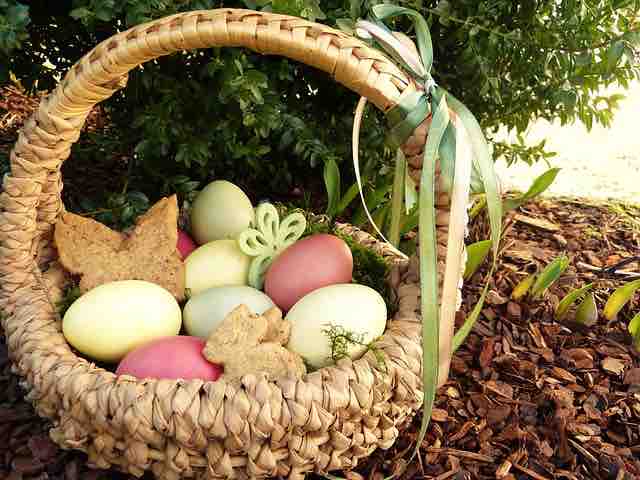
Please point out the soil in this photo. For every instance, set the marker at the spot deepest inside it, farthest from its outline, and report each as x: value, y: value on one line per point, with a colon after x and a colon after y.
x: 528, y: 397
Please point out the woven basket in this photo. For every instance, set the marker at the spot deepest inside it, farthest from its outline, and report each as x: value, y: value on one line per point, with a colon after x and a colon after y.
x: 254, y: 427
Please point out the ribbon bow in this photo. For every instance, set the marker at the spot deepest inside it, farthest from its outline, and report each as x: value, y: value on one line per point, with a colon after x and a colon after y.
x: 459, y: 144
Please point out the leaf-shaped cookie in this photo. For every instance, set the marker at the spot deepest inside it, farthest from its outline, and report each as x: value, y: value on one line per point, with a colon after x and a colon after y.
x: 100, y: 255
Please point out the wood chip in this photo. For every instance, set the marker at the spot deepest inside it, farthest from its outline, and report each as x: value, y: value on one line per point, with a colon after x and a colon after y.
x: 529, y: 472
x: 504, y: 469
x: 462, y: 454
x: 562, y: 374
x: 486, y: 356
x: 439, y: 415
x: 503, y: 389
x: 537, y: 222
x: 613, y: 365
x: 632, y: 377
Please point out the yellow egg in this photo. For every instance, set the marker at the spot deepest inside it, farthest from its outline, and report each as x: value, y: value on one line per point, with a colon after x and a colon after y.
x: 216, y: 264
x: 112, y: 319
x: 220, y: 211
x: 346, y: 307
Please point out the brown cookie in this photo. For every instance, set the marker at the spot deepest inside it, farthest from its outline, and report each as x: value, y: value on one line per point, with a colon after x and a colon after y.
x: 246, y: 343
x: 101, y: 255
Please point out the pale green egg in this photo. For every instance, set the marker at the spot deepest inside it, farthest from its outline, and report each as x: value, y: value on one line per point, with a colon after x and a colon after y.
x: 220, y: 211
x: 206, y: 310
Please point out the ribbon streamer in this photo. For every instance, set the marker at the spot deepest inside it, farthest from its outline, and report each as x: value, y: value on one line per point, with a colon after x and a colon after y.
x: 357, y: 121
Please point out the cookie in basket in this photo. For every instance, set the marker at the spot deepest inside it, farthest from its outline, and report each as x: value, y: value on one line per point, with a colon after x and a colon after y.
x: 246, y: 343
x: 147, y: 252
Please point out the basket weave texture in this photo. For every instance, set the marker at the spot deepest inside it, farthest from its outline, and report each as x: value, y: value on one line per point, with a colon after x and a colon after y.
x: 252, y: 427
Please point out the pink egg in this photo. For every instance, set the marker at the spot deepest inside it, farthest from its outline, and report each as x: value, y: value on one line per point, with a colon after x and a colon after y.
x: 311, y: 263
x: 170, y: 358
x: 185, y: 244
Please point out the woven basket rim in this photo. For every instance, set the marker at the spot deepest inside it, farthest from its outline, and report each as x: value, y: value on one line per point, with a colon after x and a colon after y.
x: 91, y: 407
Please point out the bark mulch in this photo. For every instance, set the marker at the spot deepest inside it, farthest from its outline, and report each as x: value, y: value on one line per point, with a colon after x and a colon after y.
x: 528, y: 397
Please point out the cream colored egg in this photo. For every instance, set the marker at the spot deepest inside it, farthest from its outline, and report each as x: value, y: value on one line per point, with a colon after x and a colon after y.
x: 204, y: 311
x: 352, y: 307
x: 113, y: 319
x: 220, y: 211
x: 216, y: 264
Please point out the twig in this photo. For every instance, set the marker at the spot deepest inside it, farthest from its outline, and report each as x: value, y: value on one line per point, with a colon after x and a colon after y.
x: 461, y: 453
x: 529, y: 472
x: 621, y: 273
x: 448, y: 474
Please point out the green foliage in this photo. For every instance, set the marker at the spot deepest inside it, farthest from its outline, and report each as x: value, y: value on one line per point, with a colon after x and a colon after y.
x: 341, y: 340
x: 476, y: 254
x: 569, y: 299
x: 587, y: 311
x: 271, y: 125
x: 619, y: 298
x: 539, y: 185
x: 634, y: 330
x: 548, y: 276
x: 536, y: 284
x: 71, y: 294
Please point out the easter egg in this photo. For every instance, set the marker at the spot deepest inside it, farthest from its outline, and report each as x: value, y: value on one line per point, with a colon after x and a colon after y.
x: 216, y: 264
x: 205, y: 310
x: 220, y: 211
x: 311, y: 263
x: 185, y: 244
x: 170, y: 358
x: 343, y: 308
x: 112, y: 319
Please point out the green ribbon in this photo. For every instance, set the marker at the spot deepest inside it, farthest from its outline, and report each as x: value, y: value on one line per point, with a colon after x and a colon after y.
x: 441, y: 143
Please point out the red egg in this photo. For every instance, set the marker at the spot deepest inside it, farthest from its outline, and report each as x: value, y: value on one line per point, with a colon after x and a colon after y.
x: 185, y: 244
x: 170, y: 358
x: 311, y: 263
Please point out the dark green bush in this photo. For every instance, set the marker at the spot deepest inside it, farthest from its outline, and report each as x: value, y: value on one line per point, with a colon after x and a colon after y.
x: 270, y: 124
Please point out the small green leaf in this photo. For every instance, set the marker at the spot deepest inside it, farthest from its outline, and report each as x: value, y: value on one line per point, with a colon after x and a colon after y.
x: 587, y: 312
x: 634, y: 326
x: 620, y: 298
x: 522, y: 288
x: 539, y: 185
x: 570, y: 299
x: 476, y: 255
x: 332, y: 184
x: 470, y: 321
x: 549, y: 276
x: 80, y: 13
x: 347, y: 198
x: 614, y: 53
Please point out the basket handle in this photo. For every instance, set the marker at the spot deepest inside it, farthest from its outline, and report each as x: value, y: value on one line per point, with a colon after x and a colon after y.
x: 31, y: 200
